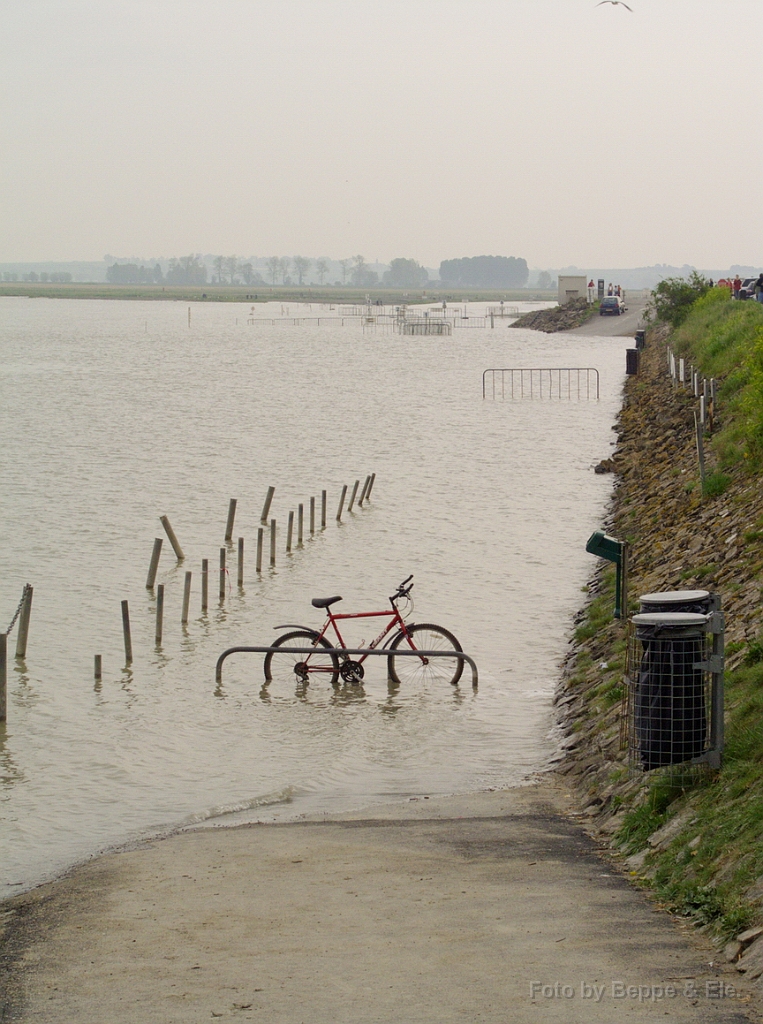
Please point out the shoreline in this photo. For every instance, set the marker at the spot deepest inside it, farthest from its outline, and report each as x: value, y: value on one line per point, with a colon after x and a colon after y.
x: 266, y: 293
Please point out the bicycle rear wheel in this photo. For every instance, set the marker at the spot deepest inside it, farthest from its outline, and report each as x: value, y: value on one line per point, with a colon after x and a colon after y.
x: 301, y: 668
x: 425, y: 637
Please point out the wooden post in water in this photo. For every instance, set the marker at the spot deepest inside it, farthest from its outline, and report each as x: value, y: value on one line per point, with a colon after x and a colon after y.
x: 354, y: 492
x: 341, y: 504
x: 266, y: 506
x: 260, y: 533
x: 153, y: 565
x: 26, y: 614
x: 204, y: 585
x: 240, y: 567
x: 172, y: 538
x: 272, y: 542
x: 222, y: 575
x: 370, y: 487
x: 231, y: 517
x: 363, y: 493
x: 3, y: 677
x: 312, y: 516
x: 126, y: 632
x: 289, y: 532
x: 186, y: 599
x: 159, y: 613
x: 97, y: 667
x: 300, y: 523
x: 323, y: 510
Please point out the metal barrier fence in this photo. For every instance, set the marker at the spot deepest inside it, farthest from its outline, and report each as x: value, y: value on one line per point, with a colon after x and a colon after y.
x: 566, y: 382
x: 342, y: 652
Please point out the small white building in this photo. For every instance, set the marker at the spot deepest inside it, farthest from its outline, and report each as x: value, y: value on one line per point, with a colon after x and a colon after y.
x: 572, y: 287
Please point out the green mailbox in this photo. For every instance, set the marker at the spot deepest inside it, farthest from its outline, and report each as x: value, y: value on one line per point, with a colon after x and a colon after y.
x: 607, y: 547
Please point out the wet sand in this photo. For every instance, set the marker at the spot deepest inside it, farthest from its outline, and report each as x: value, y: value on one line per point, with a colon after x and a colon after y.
x: 492, y: 907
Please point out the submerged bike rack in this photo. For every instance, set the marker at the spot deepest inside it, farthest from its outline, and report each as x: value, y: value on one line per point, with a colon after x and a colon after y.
x: 342, y: 652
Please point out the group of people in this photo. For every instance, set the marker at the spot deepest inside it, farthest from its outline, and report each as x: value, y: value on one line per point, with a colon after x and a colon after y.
x: 740, y: 290
x: 612, y: 289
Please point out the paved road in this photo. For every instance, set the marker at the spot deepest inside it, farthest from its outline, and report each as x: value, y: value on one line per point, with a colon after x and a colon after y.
x: 624, y: 325
x: 493, y: 908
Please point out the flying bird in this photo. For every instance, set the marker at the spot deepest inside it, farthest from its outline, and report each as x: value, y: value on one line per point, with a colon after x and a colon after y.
x: 616, y: 3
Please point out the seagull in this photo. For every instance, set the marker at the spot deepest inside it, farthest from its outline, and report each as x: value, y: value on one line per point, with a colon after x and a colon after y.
x: 616, y: 2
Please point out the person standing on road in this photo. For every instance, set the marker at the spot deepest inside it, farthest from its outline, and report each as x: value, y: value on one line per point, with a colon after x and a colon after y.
x: 736, y: 286
x: 759, y: 288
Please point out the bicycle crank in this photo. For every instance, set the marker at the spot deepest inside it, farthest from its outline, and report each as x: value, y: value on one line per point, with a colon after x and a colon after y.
x: 351, y: 671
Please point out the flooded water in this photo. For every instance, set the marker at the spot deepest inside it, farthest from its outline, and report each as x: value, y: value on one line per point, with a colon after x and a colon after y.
x: 114, y: 413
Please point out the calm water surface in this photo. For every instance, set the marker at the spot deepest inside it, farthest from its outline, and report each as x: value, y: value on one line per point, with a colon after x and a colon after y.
x: 114, y: 413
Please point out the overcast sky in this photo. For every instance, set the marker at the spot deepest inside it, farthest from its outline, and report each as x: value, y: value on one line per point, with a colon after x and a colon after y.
x: 554, y: 130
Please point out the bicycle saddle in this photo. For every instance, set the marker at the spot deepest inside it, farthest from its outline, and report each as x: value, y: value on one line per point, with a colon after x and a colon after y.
x: 324, y: 602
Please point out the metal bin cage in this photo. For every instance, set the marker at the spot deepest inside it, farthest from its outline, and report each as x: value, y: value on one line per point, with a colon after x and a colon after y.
x: 674, y: 684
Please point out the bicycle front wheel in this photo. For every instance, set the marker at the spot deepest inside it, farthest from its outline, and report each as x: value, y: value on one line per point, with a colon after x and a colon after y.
x: 287, y: 666
x: 425, y: 637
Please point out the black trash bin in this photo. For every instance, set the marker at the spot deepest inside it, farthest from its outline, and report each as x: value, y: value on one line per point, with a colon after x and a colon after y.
x: 670, y: 704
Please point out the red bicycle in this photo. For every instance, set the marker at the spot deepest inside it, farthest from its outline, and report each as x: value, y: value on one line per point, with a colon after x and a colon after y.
x: 328, y: 660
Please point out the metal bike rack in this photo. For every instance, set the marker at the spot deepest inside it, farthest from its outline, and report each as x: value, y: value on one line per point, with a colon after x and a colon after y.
x: 343, y: 651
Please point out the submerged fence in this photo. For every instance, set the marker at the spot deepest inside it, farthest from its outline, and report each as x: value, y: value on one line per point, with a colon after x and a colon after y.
x: 567, y: 382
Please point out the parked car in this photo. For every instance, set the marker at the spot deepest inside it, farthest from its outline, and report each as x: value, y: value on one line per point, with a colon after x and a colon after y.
x: 611, y: 305
x: 747, y: 291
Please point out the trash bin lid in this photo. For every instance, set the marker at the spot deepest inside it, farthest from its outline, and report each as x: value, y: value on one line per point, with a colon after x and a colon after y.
x: 669, y: 619
x: 675, y: 597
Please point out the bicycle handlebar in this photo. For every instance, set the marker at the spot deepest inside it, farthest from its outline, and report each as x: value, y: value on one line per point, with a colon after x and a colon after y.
x: 402, y: 590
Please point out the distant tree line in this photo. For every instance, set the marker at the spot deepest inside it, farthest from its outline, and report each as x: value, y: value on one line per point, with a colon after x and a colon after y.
x: 484, y: 272
x: 131, y: 273
x: 62, y: 277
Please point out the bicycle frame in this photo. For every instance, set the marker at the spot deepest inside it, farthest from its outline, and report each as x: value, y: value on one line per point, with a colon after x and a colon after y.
x: 394, y: 616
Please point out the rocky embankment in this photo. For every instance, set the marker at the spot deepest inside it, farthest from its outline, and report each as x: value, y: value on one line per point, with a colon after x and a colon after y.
x: 677, y: 540
x: 558, y: 318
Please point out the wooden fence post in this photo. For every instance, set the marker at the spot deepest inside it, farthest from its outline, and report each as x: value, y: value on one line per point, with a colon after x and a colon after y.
x: 26, y: 614
x: 323, y: 510
x: 266, y: 506
x: 341, y: 504
x: 222, y: 575
x: 240, y: 568
x: 289, y: 532
x: 204, y: 585
x: 153, y: 565
x: 3, y: 677
x: 312, y: 516
x: 172, y: 538
x: 260, y: 534
x: 159, y: 613
x: 186, y: 599
x: 354, y: 492
x: 231, y: 517
x: 272, y: 542
x: 126, y: 632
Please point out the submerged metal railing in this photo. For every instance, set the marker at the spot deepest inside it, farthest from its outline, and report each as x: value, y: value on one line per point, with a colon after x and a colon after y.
x: 342, y: 652
x: 563, y: 382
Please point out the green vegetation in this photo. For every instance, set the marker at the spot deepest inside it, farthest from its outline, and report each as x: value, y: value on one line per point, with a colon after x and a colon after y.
x: 673, y: 298
x: 724, y: 338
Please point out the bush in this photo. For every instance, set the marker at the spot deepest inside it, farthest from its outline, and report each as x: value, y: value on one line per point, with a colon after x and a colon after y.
x: 716, y: 484
x: 674, y: 297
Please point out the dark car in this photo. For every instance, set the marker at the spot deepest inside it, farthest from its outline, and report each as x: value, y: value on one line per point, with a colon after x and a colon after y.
x: 611, y: 305
x: 747, y: 291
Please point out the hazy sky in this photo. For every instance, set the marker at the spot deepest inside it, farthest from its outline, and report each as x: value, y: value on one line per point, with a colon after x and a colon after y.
x: 555, y: 130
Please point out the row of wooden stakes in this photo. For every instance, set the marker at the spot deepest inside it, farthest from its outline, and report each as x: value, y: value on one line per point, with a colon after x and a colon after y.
x: 365, y: 494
